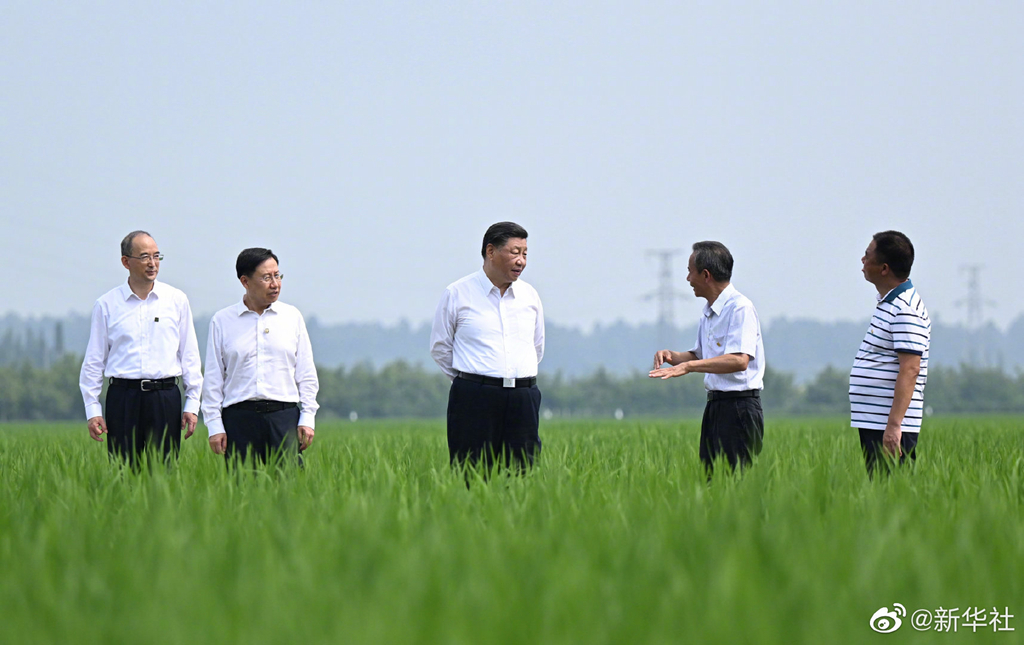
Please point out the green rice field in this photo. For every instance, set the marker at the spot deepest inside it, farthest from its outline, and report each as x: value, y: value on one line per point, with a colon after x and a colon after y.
x: 615, y: 537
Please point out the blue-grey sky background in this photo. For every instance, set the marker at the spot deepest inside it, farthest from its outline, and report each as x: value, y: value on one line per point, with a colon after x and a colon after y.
x: 371, y: 144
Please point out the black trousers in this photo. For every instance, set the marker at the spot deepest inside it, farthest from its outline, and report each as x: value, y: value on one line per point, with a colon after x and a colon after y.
x: 138, y: 421
x: 488, y: 422
x: 734, y: 428
x: 262, y: 435
x: 875, y: 457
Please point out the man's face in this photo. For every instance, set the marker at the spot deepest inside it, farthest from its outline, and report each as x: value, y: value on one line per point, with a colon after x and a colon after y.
x: 508, y: 261
x: 696, y: 278
x: 870, y: 266
x: 143, y: 271
x: 264, y: 286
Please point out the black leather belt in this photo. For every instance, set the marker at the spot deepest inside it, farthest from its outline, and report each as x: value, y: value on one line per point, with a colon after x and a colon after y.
x: 145, y: 384
x: 499, y: 382
x: 715, y: 395
x: 264, y: 407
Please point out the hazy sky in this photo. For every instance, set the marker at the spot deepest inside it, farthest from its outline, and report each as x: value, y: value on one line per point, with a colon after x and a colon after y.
x: 371, y: 144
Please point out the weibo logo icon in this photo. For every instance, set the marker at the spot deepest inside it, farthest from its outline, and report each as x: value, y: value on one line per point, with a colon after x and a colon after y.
x: 885, y: 621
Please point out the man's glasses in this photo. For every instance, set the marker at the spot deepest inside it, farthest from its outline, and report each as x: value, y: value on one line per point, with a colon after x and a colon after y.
x: 277, y: 277
x: 146, y: 257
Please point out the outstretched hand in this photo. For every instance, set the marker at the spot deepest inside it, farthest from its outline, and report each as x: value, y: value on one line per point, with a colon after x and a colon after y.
x: 670, y: 372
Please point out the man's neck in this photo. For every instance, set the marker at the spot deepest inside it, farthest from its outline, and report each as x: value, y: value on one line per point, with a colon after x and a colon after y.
x: 248, y: 303
x: 502, y: 287
x: 716, y: 290
x: 143, y: 290
x: 885, y: 286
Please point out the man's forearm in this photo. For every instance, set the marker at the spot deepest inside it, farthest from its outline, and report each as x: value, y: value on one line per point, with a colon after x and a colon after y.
x: 725, y: 364
x: 906, y: 380
x: 682, y: 357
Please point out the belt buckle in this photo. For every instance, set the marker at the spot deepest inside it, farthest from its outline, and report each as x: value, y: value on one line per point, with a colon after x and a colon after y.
x: 508, y: 382
x: 142, y: 384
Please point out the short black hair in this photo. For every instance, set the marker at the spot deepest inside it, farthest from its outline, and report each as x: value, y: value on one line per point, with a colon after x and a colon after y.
x: 249, y: 259
x: 128, y: 243
x: 500, y: 233
x: 714, y: 257
x: 895, y: 249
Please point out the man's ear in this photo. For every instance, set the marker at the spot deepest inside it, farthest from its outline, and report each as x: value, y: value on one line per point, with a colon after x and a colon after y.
x: 124, y: 262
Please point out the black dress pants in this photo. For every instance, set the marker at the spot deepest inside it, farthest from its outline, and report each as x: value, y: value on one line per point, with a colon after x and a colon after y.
x: 734, y: 428
x: 139, y: 420
x: 489, y: 422
x: 874, y: 454
x: 262, y: 435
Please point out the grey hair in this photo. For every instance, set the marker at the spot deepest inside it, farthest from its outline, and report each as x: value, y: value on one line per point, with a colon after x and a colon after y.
x: 126, y: 243
x: 714, y: 257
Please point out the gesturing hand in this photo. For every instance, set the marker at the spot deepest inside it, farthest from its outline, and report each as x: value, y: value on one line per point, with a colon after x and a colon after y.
x: 670, y: 372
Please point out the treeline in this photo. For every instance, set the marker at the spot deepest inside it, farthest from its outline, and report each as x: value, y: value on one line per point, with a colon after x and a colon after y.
x: 401, y: 389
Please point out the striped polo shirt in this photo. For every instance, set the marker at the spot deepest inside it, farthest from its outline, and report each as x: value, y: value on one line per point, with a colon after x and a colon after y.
x: 900, y: 324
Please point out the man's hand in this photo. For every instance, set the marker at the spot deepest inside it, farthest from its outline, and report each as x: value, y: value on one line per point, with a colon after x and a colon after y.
x: 663, y: 356
x: 189, y: 420
x: 891, y: 440
x: 97, y: 428
x: 670, y: 372
x: 305, y: 437
x: 219, y: 443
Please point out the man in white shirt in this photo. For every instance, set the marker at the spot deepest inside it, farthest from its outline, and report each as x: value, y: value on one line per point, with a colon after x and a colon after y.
x: 259, y: 396
x: 730, y: 353
x: 488, y: 337
x: 142, y: 339
x: 891, y: 367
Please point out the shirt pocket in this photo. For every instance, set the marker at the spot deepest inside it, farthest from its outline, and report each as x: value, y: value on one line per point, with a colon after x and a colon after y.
x: 164, y: 322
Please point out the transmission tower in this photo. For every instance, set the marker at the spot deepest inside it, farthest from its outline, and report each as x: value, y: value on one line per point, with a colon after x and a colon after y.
x: 666, y: 295
x: 975, y: 305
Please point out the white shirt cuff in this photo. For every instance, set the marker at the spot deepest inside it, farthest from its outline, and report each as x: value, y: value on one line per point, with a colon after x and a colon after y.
x: 93, y: 410
x: 216, y: 426
x: 307, y: 419
x: 191, y: 405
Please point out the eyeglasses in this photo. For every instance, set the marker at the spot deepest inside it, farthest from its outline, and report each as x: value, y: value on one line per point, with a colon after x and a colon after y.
x: 146, y: 257
x: 267, y: 279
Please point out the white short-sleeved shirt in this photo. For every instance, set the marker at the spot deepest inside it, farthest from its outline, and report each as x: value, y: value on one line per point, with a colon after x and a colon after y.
x: 478, y: 330
x: 730, y: 326
x: 900, y: 324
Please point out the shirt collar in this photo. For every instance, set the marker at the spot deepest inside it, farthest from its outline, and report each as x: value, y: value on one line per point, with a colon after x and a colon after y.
x: 486, y: 285
x: 899, y: 289
x: 723, y: 299
x: 241, y: 308
x: 127, y: 293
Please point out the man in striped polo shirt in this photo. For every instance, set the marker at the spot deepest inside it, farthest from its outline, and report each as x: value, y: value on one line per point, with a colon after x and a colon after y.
x: 891, y: 368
